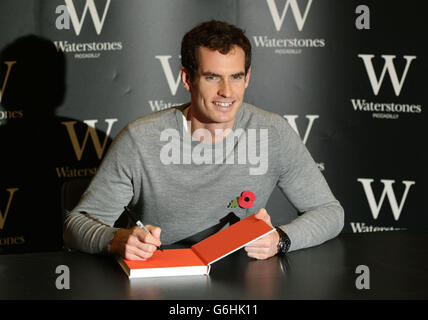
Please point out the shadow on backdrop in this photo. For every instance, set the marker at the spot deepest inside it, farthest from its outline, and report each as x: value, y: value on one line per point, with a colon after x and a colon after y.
x: 39, y: 150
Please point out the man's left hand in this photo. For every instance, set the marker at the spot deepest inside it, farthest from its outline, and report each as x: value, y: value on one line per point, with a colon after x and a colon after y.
x: 267, y: 246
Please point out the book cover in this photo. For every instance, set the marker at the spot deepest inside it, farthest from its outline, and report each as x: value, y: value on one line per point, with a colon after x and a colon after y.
x: 197, y: 260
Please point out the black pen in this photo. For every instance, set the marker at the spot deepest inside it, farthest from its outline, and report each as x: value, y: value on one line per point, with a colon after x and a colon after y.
x: 138, y: 223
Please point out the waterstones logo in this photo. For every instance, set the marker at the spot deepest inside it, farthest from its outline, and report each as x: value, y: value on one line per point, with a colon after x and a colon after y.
x: 79, y: 148
x: 90, y: 132
x: 4, y: 212
x: 359, y: 227
x: 291, y: 119
x: 93, y: 49
x: 67, y: 172
x: 288, y: 45
x: 9, y: 65
x: 376, y: 206
x: 390, y: 109
x: 7, y: 114
x: 173, y: 80
x: 292, y: 4
x: 387, y: 67
x: 11, y: 241
x: 78, y: 22
x: 157, y: 105
x: 14, y: 114
x: 388, y: 192
x: 87, y: 50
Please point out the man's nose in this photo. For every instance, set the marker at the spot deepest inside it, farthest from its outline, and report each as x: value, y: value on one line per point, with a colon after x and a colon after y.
x: 225, y: 89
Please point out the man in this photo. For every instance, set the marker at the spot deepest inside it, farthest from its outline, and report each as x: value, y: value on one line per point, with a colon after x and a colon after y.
x: 162, y: 166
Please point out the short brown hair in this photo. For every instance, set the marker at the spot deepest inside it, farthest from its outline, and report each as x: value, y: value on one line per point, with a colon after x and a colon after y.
x: 215, y: 35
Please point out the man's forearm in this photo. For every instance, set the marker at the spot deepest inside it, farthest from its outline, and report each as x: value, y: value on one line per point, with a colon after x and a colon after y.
x: 87, y: 234
x: 316, y: 226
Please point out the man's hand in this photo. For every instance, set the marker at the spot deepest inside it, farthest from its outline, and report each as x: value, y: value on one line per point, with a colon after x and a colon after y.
x: 267, y: 246
x: 135, y: 243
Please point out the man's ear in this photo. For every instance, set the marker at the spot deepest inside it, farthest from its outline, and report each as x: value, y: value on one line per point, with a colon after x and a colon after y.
x: 185, y: 78
x: 247, y: 77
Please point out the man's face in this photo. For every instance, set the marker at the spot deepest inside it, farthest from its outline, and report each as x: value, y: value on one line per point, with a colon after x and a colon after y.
x: 218, y: 86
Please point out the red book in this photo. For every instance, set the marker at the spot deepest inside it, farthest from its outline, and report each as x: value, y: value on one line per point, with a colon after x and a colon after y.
x: 198, y: 259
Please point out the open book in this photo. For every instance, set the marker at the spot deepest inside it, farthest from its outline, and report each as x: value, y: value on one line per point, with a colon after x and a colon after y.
x: 197, y: 260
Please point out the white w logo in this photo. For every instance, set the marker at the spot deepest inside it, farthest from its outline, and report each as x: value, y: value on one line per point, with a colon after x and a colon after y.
x: 278, y: 20
x: 291, y: 119
x: 388, y: 66
x: 387, y: 191
x: 77, y: 23
x: 172, y: 82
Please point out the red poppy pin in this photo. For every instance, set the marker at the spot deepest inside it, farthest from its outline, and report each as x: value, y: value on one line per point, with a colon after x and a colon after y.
x: 245, y: 201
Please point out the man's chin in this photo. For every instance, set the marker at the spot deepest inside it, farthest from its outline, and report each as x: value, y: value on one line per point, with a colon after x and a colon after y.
x: 224, y: 117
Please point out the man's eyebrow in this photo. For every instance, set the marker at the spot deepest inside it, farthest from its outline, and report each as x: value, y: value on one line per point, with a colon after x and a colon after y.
x: 242, y: 73
x: 209, y: 73
x: 213, y: 74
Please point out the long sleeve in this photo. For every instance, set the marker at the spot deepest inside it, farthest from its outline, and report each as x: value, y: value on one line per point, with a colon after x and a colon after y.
x: 87, y: 234
x: 322, y: 216
x: 89, y: 226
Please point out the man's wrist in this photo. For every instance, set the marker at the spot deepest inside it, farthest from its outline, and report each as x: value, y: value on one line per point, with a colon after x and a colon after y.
x: 284, y: 242
x: 111, y: 244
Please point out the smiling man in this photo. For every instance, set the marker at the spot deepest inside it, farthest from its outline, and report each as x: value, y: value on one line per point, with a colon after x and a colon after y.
x: 179, y: 199
x: 217, y: 88
x: 216, y: 72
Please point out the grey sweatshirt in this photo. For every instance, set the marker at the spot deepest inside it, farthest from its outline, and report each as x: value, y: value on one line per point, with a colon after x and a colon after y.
x: 185, y: 186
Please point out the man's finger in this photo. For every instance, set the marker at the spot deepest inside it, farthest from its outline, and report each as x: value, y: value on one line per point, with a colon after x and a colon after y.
x: 155, y: 231
x: 262, y: 214
x: 258, y: 253
x: 146, y: 237
x: 135, y: 251
x: 253, y: 250
x: 131, y: 256
x: 143, y: 246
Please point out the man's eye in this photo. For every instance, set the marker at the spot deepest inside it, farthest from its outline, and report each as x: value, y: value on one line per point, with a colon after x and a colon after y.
x: 211, y: 77
x: 238, y: 77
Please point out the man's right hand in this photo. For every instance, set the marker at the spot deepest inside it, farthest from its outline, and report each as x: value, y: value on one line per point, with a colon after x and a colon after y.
x: 135, y: 243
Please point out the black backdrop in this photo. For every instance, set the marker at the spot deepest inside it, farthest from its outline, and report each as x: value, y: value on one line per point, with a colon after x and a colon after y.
x: 355, y: 96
